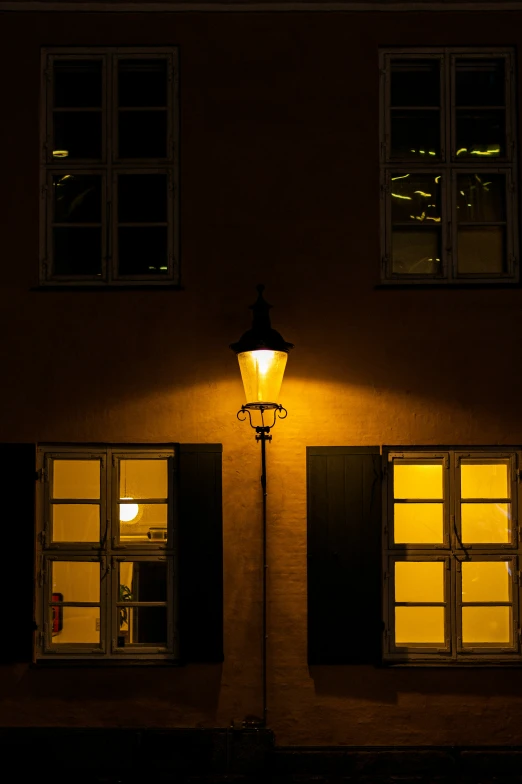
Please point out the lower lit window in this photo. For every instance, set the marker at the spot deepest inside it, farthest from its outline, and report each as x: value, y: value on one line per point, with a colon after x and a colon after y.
x: 105, y: 553
x: 451, y: 557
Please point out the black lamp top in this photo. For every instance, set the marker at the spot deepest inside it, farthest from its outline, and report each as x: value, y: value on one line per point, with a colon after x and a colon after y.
x: 261, y: 336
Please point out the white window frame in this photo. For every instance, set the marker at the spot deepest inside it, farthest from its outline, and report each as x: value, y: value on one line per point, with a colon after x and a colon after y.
x: 448, y: 166
x: 109, y: 552
x: 452, y: 552
x: 109, y: 166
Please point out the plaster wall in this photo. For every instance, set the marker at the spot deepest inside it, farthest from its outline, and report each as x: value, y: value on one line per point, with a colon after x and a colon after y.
x: 279, y: 183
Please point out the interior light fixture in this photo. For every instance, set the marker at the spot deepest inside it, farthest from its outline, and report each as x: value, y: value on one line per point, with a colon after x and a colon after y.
x: 60, y: 153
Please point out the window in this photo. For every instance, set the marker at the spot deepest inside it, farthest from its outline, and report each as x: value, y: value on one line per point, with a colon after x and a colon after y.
x: 109, y: 162
x: 451, y: 557
x: 106, y: 543
x: 448, y: 168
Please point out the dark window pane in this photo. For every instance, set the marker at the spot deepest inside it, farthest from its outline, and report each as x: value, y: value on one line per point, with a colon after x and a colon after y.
x: 479, y: 82
x: 78, y: 83
x: 415, y: 134
x: 143, y: 625
x: 415, y: 83
x: 77, y: 251
x: 142, y: 82
x: 142, y: 198
x: 149, y: 581
x: 415, y: 198
x: 77, y: 198
x: 481, y: 250
x: 142, y: 134
x: 480, y: 134
x: 143, y: 250
x: 78, y: 134
x: 416, y: 252
x: 481, y: 197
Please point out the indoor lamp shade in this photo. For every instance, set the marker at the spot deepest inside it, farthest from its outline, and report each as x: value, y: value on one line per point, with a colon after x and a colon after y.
x: 262, y: 354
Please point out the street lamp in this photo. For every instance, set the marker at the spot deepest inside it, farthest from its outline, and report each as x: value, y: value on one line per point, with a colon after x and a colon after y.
x: 262, y: 354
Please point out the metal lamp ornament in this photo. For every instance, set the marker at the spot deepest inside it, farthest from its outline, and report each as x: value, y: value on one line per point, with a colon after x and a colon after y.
x: 262, y: 354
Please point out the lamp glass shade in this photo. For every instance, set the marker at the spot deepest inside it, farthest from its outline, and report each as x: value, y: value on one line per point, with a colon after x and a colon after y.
x: 262, y: 372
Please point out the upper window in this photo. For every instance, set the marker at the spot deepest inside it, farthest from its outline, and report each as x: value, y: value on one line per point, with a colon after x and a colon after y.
x: 105, y: 554
x: 448, y: 169
x: 451, y: 557
x: 109, y: 162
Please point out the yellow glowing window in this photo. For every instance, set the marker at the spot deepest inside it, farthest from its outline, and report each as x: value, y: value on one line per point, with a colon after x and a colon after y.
x: 484, y: 480
x: 418, y: 481
x: 418, y: 523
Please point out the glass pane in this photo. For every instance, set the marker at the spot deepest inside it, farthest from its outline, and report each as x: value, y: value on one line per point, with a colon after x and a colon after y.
x: 77, y: 199
x: 417, y: 481
x: 78, y: 134
x: 78, y: 83
x: 76, y: 479
x: 418, y: 523
x: 144, y: 478
x: 142, y: 134
x: 415, y: 83
x: 480, y: 134
x: 143, y: 250
x: 419, y: 625
x: 416, y: 252
x: 486, y: 581
x: 76, y: 523
x: 487, y: 625
x: 78, y: 624
x: 415, y: 134
x: 481, y: 250
x: 142, y: 198
x: 415, y: 198
x: 77, y: 581
x: 143, y: 626
x: 419, y: 581
x: 479, y: 82
x: 481, y: 198
x: 143, y: 522
x: 482, y: 523
x: 484, y: 480
x: 143, y: 581
x: 77, y: 251
x: 142, y: 82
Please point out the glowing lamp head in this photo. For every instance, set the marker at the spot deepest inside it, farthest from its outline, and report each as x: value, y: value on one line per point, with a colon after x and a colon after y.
x: 262, y: 354
x: 129, y: 512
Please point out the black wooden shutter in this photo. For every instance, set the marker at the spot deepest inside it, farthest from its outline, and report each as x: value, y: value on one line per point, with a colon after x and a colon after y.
x: 344, y: 555
x: 200, y: 538
x: 18, y: 476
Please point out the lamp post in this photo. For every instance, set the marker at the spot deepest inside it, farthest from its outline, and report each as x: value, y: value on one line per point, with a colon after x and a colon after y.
x: 262, y: 354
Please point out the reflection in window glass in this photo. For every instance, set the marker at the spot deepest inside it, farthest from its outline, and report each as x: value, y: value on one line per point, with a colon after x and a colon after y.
x: 480, y: 134
x: 415, y: 134
x: 481, y: 198
x: 483, y: 523
x: 484, y: 480
x: 77, y: 83
x: 416, y: 252
x: 415, y: 198
x: 77, y: 198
